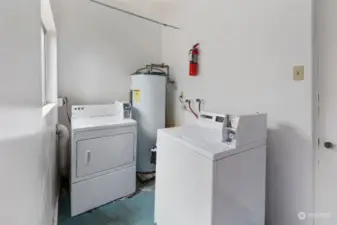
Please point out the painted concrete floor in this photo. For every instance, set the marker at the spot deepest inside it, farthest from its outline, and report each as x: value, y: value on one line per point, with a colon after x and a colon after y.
x: 137, y: 210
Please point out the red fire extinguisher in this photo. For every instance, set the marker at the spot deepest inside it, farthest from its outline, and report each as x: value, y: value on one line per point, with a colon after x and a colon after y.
x: 194, y: 53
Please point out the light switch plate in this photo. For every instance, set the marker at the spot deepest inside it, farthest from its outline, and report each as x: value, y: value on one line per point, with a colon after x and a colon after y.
x: 298, y: 73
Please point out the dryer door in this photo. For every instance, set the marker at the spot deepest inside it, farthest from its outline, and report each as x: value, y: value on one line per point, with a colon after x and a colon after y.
x: 104, y: 153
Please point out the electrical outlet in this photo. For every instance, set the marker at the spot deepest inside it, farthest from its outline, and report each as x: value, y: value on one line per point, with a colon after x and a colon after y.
x: 298, y: 73
x: 181, y: 95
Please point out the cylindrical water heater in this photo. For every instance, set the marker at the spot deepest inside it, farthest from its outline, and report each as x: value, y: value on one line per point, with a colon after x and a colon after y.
x: 148, y: 97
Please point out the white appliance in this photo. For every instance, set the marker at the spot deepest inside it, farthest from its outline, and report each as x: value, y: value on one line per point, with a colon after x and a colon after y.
x: 103, y: 156
x: 148, y: 97
x: 212, y: 172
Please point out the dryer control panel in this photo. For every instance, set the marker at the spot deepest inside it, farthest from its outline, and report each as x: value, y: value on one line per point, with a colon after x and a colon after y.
x: 78, y: 111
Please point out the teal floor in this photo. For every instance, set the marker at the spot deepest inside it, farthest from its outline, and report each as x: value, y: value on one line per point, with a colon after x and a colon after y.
x: 137, y: 210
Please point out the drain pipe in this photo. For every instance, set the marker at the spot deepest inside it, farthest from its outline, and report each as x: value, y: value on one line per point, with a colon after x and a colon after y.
x: 63, y: 139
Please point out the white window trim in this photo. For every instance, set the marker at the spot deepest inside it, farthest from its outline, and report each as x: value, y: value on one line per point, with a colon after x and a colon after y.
x: 44, y: 65
x: 50, y: 83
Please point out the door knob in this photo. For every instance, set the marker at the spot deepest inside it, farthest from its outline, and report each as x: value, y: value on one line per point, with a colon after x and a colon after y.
x: 328, y: 145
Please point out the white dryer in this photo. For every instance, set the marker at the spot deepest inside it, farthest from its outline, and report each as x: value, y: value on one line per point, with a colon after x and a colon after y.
x: 103, y: 156
x: 212, y: 172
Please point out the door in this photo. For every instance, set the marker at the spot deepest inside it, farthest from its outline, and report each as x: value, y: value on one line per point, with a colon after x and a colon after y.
x: 104, y: 153
x: 326, y: 152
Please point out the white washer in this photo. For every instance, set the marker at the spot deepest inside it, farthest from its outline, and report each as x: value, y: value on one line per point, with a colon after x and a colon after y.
x: 203, y: 179
x: 103, y: 157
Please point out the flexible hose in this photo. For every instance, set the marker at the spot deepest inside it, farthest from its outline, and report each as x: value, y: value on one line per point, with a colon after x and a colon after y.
x: 67, y: 110
x: 64, y: 156
x: 189, y: 105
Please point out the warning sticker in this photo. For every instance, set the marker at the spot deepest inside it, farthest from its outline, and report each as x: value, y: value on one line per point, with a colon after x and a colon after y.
x: 136, y: 95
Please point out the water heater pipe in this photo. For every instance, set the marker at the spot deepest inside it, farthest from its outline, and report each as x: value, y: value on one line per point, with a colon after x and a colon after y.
x: 150, y: 67
x: 64, y: 136
x: 153, y: 66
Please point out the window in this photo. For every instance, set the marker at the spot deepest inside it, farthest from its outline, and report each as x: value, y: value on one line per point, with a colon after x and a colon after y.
x: 43, y: 64
x: 48, y: 79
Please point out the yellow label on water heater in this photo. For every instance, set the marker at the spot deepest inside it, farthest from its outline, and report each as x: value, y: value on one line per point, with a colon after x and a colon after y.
x: 136, y: 95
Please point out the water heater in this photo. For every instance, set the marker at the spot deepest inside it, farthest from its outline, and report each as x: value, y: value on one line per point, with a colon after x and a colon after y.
x: 148, y: 97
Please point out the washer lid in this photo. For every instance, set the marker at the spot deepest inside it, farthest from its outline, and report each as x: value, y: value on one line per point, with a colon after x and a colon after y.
x: 94, y: 123
x: 203, y: 141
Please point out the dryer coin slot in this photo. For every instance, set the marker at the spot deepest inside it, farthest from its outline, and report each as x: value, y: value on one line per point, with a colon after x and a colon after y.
x: 88, y: 157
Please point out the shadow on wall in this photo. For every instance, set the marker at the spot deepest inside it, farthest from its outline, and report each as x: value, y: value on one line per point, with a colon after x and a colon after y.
x: 170, y: 105
x: 290, y: 170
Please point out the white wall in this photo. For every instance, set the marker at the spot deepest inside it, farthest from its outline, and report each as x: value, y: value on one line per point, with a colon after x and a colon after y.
x: 155, y: 10
x: 248, y: 50
x: 27, y: 139
x: 17, y: 42
x: 98, y: 49
x: 27, y: 166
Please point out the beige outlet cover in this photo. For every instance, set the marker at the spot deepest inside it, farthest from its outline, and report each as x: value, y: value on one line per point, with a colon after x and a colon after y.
x: 298, y: 72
